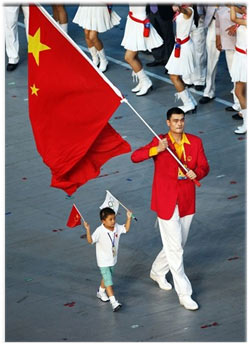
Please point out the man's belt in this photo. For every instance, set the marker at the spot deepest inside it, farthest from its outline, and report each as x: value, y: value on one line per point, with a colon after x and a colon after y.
x: 179, y: 42
x: 145, y: 22
x: 240, y: 50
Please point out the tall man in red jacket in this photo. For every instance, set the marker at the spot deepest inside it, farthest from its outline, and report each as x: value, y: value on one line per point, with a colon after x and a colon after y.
x: 173, y: 199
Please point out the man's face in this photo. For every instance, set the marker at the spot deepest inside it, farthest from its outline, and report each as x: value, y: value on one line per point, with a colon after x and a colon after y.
x: 176, y: 123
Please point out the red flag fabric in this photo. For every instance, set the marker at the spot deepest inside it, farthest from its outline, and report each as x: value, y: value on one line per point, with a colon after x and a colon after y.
x: 74, y: 218
x: 70, y: 103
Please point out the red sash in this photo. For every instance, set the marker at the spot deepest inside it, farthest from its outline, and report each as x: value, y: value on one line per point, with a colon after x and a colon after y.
x: 145, y: 22
x: 240, y: 50
x: 179, y: 42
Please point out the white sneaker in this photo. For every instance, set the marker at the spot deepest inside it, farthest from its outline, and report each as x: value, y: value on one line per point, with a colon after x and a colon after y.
x: 102, y: 296
x: 241, y: 130
x: 162, y: 282
x: 116, y: 305
x: 188, y: 302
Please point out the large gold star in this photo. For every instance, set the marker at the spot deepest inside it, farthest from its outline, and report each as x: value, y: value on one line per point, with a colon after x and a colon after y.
x: 35, y: 46
x: 34, y: 89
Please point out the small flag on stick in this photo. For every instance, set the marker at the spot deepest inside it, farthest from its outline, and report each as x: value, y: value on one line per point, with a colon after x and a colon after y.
x: 110, y: 201
x: 74, y: 217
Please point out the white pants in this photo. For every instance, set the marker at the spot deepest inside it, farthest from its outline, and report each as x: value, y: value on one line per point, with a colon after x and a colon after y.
x: 198, y: 36
x: 174, y: 234
x: 11, y: 31
x: 213, y: 55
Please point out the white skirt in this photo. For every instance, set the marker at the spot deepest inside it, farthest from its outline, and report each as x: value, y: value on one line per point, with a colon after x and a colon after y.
x: 134, y: 40
x: 239, y: 67
x: 185, y: 64
x: 96, y: 18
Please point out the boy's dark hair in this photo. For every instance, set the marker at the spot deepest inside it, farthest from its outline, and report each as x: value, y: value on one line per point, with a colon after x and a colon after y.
x: 105, y: 212
x: 174, y: 110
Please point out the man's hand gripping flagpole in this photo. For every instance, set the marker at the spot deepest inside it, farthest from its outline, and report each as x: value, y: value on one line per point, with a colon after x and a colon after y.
x: 167, y: 148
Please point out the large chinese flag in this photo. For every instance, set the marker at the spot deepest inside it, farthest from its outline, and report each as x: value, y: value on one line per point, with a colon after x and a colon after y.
x: 70, y: 103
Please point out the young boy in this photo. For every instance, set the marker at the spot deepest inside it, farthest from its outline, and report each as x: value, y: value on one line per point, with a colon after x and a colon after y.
x: 107, y: 237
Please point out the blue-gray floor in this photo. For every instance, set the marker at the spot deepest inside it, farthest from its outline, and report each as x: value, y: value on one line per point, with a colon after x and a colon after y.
x: 48, y: 265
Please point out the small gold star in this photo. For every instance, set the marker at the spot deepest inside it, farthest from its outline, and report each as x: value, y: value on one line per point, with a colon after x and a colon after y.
x: 34, y: 90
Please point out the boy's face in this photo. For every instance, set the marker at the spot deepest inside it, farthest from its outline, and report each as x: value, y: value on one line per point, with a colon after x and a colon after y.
x: 109, y: 222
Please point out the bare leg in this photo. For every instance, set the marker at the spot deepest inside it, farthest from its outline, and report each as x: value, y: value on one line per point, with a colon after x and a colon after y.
x: 240, y: 91
x: 93, y: 37
x: 60, y: 14
x: 178, y: 83
x: 133, y: 60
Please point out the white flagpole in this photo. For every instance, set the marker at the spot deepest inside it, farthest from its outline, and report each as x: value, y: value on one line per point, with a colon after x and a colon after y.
x: 168, y: 149
x: 121, y: 204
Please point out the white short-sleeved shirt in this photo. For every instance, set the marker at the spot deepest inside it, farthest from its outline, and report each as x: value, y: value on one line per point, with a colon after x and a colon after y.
x: 103, y: 239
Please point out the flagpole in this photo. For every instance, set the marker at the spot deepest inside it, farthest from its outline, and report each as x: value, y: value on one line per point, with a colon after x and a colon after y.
x: 79, y: 212
x: 122, y: 205
x: 167, y: 148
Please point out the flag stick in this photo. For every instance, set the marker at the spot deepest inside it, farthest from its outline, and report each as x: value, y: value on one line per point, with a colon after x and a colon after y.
x: 168, y: 149
x: 79, y: 212
x: 122, y: 205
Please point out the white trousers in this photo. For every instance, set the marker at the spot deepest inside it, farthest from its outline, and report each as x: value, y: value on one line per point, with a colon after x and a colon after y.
x: 213, y: 55
x: 11, y: 30
x: 174, y: 234
x: 198, y: 36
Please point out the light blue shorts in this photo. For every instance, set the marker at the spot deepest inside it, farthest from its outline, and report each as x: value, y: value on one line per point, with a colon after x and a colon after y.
x: 106, y: 272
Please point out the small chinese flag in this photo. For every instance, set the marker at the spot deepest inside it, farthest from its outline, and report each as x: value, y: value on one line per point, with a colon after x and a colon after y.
x: 74, y: 218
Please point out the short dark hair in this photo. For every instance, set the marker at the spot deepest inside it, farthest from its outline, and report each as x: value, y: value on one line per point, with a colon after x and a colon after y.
x: 105, y: 212
x: 174, y: 110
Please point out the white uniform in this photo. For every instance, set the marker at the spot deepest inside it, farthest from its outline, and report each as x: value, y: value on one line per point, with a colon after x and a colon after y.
x: 239, y: 65
x: 96, y: 18
x: 105, y: 240
x: 185, y: 64
x: 133, y: 38
x: 11, y: 31
x: 198, y: 36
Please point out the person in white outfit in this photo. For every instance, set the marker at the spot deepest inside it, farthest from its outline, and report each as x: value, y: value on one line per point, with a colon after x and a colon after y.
x: 226, y: 42
x: 11, y: 33
x: 213, y: 54
x: 60, y: 16
x: 198, y: 36
x: 107, y: 237
x: 239, y: 65
x: 94, y: 20
x: 139, y: 35
x: 182, y: 59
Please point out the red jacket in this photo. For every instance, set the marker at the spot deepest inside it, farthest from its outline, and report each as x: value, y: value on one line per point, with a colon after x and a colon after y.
x: 167, y: 190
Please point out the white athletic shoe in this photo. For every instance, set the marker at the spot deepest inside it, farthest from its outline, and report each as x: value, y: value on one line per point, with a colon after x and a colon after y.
x: 188, y: 302
x: 162, y: 282
x: 116, y: 305
x: 102, y: 296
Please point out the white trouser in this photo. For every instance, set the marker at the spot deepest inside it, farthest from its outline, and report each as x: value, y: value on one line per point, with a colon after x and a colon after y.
x: 213, y: 55
x: 174, y: 234
x: 11, y: 30
x: 229, y: 54
x: 198, y: 36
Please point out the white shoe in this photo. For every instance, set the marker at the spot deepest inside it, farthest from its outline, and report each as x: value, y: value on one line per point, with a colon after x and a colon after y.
x: 116, y: 305
x: 187, y: 100
x: 162, y: 282
x: 103, y: 60
x: 144, y: 82
x: 102, y: 296
x: 94, y: 55
x: 188, y: 302
x: 136, y: 88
